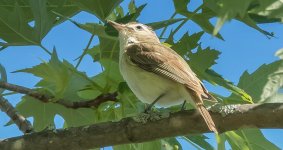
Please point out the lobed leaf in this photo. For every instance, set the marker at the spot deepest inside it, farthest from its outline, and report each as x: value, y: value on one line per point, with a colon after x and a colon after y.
x: 260, y: 84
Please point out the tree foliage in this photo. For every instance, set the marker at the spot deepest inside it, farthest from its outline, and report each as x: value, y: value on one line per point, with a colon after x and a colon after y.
x: 27, y: 22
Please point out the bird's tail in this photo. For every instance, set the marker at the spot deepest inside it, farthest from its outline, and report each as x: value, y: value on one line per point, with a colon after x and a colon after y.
x: 207, y: 117
x: 198, y: 103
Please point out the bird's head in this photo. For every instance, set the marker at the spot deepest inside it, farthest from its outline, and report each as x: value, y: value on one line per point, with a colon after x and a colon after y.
x: 135, y: 30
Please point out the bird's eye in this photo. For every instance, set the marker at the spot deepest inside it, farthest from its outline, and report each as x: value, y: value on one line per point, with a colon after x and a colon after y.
x: 139, y: 27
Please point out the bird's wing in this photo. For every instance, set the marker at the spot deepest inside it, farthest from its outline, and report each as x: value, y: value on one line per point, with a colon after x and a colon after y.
x: 164, y: 61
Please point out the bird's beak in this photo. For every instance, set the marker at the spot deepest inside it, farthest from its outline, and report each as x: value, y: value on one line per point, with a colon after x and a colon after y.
x: 116, y: 25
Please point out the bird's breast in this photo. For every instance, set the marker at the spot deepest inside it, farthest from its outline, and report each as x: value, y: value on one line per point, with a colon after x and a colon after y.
x: 147, y: 86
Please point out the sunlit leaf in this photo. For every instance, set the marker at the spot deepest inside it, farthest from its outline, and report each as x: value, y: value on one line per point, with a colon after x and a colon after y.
x: 255, y: 83
x: 43, y: 113
x: 60, y: 78
x: 249, y: 139
x: 229, y: 10
x: 199, y: 140
x: 157, y: 144
x: 220, y: 138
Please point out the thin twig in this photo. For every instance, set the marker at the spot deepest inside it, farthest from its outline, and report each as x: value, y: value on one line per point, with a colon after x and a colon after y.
x: 165, y: 28
x: 186, y: 20
x: 45, y: 49
x: 23, y: 124
x: 85, y: 50
x: 179, y: 26
x: 69, y: 104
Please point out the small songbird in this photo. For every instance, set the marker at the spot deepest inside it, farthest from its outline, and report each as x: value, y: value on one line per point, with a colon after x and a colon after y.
x: 156, y: 73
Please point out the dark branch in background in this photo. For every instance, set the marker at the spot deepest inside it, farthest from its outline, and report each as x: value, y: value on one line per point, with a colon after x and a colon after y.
x: 45, y: 98
x: 129, y: 131
x: 23, y: 124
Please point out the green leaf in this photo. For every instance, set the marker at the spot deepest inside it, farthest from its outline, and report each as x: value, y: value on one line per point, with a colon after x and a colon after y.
x: 248, y: 21
x: 268, y: 10
x: 132, y: 17
x: 201, y: 19
x: 181, y: 5
x: 171, y: 144
x: 164, y: 23
x: 128, y: 18
x: 200, y: 141
x: 108, y: 31
x: 94, y: 52
x: 210, y: 54
x: 187, y: 43
x: 43, y: 21
x: 229, y: 10
x: 236, y: 141
x: 249, y: 139
x: 154, y: 145
x: 101, y: 9
x: 263, y: 19
x: 14, y: 27
x: 14, y: 24
x: 262, y: 83
x: 109, y: 49
x: 215, y: 78
x: 60, y: 78
x: 220, y: 138
x: 132, y: 7
x: 94, y: 28
x: 43, y: 113
x: 243, y: 11
x: 110, y: 78
x: 131, y: 105
x: 202, y: 66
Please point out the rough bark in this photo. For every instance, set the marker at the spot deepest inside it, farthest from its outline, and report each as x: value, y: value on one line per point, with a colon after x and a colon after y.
x: 23, y: 124
x: 227, y: 118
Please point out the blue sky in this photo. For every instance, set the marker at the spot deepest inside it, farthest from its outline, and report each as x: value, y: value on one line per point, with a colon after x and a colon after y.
x: 243, y: 49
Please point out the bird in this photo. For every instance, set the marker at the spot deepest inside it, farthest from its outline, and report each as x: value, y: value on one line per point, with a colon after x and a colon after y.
x: 157, y: 74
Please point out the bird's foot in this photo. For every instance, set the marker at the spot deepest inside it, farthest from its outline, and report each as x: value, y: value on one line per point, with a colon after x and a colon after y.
x: 150, y: 116
x: 183, y: 107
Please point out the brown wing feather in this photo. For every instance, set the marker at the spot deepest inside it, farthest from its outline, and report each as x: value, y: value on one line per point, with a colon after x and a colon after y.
x: 166, y: 62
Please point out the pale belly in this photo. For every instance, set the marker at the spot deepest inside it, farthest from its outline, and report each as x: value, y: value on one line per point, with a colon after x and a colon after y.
x: 148, y: 86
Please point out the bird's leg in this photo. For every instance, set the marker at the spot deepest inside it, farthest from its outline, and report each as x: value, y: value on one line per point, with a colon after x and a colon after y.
x: 150, y: 115
x: 148, y: 109
x: 183, y: 107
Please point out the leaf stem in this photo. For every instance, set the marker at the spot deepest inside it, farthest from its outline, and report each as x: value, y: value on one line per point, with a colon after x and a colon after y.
x: 85, y: 50
x: 179, y: 26
x: 165, y: 28
x: 45, y: 49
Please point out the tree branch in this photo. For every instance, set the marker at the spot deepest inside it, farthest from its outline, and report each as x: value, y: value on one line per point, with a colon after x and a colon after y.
x: 23, y: 124
x: 129, y: 131
x: 69, y: 104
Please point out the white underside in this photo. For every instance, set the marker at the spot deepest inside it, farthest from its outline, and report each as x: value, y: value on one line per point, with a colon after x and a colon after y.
x: 148, y: 86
